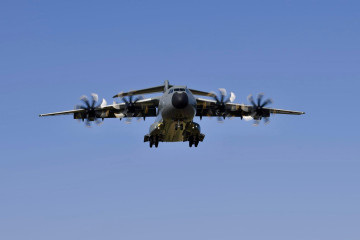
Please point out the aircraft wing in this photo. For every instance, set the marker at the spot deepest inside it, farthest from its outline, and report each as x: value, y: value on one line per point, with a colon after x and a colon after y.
x: 141, y: 91
x: 209, y: 108
x: 62, y: 113
x: 142, y: 108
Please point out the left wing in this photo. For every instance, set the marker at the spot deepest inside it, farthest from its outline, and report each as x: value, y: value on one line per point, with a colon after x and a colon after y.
x: 210, y: 108
x: 142, y: 108
x: 62, y: 113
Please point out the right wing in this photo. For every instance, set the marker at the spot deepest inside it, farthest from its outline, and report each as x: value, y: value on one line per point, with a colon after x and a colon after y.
x: 207, y: 108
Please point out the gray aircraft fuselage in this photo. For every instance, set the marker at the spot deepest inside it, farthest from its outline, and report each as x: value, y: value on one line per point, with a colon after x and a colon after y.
x: 176, y: 111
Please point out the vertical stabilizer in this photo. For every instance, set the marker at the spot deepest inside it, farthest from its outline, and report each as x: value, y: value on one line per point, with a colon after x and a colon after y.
x: 166, y: 85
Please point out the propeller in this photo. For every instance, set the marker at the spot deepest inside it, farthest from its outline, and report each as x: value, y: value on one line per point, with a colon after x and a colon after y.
x: 258, y: 112
x: 90, y: 114
x: 130, y: 111
x: 221, y: 100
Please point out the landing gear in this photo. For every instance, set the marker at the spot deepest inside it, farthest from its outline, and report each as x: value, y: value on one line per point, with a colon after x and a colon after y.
x: 154, y: 140
x: 193, y: 141
x: 179, y: 126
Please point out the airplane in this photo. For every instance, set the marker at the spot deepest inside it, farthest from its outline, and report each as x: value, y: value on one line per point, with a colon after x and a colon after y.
x: 174, y: 111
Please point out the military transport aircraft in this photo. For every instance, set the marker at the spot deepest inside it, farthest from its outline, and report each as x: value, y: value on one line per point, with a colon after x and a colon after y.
x: 174, y: 111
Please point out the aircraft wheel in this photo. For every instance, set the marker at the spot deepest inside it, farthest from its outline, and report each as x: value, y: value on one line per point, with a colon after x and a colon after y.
x: 196, y: 143
x: 151, y: 144
x: 156, y: 141
x: 181, y: 127
x: 191, y: 141
x: 176, y: 127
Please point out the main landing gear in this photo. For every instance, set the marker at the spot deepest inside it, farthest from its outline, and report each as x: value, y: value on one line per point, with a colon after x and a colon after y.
x: 154, y: 140
x: 193, y: 141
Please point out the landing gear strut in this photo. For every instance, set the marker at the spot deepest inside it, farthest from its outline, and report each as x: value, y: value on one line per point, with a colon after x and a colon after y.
x: 178, y: 125
x: 193, y: 141
x: 154, y: 140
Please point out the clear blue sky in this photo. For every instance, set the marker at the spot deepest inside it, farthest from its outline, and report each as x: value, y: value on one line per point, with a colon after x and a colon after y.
x: 297, y: 178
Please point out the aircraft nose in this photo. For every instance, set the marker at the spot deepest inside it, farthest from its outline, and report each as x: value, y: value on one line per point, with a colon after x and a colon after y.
x: 180, y: 100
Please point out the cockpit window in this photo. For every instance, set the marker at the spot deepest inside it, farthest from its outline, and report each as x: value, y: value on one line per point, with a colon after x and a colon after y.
x: 179, y: 89
x: 171, y: 90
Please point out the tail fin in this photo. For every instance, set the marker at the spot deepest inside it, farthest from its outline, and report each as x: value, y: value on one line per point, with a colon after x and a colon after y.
x: 166, y: 85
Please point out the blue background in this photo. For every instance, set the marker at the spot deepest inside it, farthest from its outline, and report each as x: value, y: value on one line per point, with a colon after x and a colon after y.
x: 297, y: 178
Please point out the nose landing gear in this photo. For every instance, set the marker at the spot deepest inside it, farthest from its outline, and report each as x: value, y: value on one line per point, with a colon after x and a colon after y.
x: 179, y: 126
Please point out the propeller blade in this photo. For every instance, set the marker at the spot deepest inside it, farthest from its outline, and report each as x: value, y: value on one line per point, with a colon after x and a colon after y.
x: 95, y: 97
x: 232, y: 97
x: 267, y: 120
x: 98, y: 122
x: 247, y: 118
x: 220, y: 119
x: 128, y: 120
x: 256, y: 123
x: 85, y: 100
x: 78, y: 107
x: 121, y: 115
x: 259, y: 98
x: 222, y: 91
x: 88, y: 123
x: 222, y: 94
x: 268, y: 101
x: 103, y: 103
x: 125, y: 100
x: 138, y: 98
x: 251, y: 100
x: 215, y: 97
x: 115, y: 105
